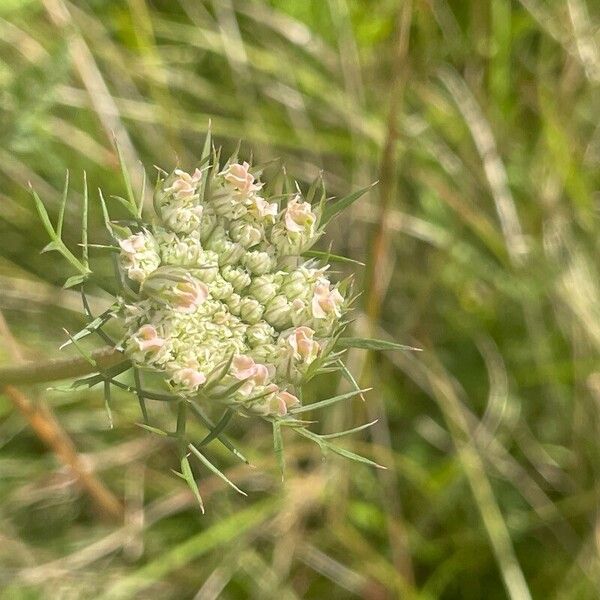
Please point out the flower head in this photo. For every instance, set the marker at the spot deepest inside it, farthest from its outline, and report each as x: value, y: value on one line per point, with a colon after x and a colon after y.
x: 220, y: 277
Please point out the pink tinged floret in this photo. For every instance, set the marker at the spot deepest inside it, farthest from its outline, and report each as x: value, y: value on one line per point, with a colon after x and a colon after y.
x: 190, y: 377
x: 285, y: 401
x: 184, y: 185
x: 189, y: 295
x: 264, y: 208
x: 243, y: 367
x: 239, y: 177
x: 147, y: 339
x: 132, y: 244
x: 298, y: 215
x: 303, y: 344
x: 326, y: 301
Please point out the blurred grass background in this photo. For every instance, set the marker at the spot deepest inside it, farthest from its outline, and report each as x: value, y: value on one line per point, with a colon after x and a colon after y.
x: 480, y: 120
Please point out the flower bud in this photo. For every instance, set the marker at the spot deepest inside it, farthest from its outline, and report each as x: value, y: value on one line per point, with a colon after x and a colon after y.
x: 237, y: 276
x: 266, y: 353
x: 295, y: 285
x: 264, y: 288
x: 246, y: 234
x: 251, y: 310
x: 234, y: 303
x: 278, y: 312
x: 258, y: 263
x: 259, y: 334
x: 182, y: 219
x: 183, y: 250
x: 290, y: 243
x: 228, y: 205
x: 220, y: 289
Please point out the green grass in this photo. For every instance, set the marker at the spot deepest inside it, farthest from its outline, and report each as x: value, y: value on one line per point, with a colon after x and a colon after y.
x: 481, y: 248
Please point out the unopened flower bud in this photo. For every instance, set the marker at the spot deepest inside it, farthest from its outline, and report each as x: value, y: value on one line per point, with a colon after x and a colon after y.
x: 234, y: 303
x: 220, y: 289
x: 264, y: 288
x: 295, y: 285
x: 259, y: 334
x: 251, y: 310
x: 237, y: 276
x: 265, y: 353
x: 278, y: 312
x: 258, y: 263
x: 246, y: 234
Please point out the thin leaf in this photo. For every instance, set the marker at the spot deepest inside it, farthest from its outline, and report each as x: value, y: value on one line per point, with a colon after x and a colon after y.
x: 105, y: 214
x: 328, y: 401
x: 218, y: 428
x: 142, y: 194
x: 353, y: 456
x: 79, y: 349
x: 328, y: 257
x: 330, y: 436
x: 186, y: 472
x: 126, y: 179
x: 214, y: 469
x: 313, y: 188
x: 330, y: 209
x: 324, y: 444
x: 63, y: 204
x: 348, y: 376
x: 140, y: 394
x: 154, y: 430
x: 74, y: 280
x: 43, y: 214
x: 199, y: 414
x: 369, y: 344
x: 125, y: 204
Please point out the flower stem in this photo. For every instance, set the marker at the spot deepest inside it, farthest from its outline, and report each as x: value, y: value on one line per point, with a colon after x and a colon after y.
x: 60, y: 368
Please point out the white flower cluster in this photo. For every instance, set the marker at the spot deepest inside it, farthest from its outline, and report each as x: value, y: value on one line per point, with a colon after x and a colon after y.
x: 226, y: 307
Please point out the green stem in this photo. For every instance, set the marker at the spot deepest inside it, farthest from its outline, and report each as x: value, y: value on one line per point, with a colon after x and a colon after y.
x: 60, y: 368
